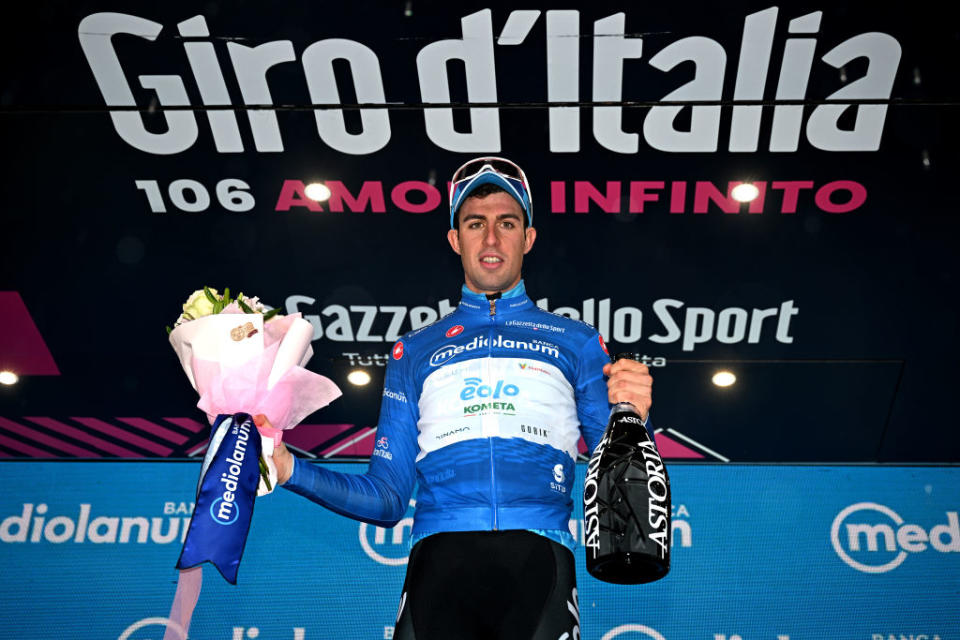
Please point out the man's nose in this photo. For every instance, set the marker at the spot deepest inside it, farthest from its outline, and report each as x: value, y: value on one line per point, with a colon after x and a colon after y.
x: 491, y: 237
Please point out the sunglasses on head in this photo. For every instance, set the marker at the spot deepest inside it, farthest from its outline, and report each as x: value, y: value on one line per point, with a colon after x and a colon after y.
x: 510, y: 175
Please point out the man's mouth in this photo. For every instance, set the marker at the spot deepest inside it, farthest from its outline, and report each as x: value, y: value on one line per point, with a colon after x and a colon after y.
x: 491, y: 260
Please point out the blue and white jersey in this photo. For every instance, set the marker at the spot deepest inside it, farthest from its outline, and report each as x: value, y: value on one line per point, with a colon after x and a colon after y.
x: 483, y: 409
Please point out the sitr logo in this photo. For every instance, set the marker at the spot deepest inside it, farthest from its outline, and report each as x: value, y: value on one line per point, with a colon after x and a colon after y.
x: 558, y: 473
x: 399, y: 548
x: 864, y: 535
x: 631, y: 629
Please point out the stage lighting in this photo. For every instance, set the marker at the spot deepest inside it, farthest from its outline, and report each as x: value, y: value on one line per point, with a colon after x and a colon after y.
x: 724, y: 378
x: 358, y: 377
x: 317, y: 191
x: 745, y: 192
x: 8, y: 377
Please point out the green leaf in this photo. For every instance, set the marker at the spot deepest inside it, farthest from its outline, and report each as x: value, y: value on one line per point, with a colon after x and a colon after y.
x: 226, y: 296
x: 206, y: 291
x: 265, y: 474
x: 244, y: 306
x: 169, y: 330
x: 270, y: 314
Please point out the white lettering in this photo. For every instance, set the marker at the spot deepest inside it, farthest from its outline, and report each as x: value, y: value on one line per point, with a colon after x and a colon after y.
x: 474, y: 53
x: 691, y: 326
x: 883, y: 57
x: 96, y: 33
x: 710, y: 61
x: 563, y: 83
x: 368, y: 83
x: 475, y: 49
x: 610, y: 48
x: 755, y: 50
x: 369, y: 313
x: 250, y: 64
x: 627, y: 325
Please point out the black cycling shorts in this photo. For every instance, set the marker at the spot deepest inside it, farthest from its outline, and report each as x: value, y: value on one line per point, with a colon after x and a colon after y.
x: 489, y: 585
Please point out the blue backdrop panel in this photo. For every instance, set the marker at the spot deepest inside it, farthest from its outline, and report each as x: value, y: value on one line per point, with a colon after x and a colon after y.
x: 760, y: 553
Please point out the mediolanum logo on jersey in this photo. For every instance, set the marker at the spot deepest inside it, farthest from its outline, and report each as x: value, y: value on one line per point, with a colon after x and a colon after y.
x: 873, y: 538
x: 450, y: 351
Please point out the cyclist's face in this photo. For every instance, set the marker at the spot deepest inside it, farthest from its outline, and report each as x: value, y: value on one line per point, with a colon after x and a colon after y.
x: 491, y: 242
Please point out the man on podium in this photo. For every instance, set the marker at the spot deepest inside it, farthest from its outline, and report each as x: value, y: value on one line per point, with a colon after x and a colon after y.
x: 483, y: 411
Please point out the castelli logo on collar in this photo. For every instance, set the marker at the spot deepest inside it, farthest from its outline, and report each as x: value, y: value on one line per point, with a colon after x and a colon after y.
x: 455, y: 330
x: 398, y: 351
x: 603, y: 345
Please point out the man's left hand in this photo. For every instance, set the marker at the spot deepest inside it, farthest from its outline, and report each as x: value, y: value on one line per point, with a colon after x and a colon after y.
x: 630, y: 381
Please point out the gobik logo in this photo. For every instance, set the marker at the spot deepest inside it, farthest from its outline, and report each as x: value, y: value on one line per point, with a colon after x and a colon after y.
x: 394, y: 552
x: 873, y: 538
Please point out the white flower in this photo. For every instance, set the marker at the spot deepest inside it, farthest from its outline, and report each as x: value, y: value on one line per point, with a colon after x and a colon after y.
x: 198, y: 305
x: 254, y: 303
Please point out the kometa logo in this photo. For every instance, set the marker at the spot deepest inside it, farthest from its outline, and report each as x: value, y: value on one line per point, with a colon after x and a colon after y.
x: 861, y: 548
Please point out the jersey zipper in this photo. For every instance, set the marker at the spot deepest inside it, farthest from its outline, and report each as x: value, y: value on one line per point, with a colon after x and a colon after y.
x: 493, y: 468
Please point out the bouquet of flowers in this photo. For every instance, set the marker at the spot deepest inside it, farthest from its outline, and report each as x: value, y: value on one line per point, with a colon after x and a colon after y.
x: 243, y: 359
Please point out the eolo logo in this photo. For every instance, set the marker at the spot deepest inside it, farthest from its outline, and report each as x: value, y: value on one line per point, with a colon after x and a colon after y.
x: 873, y: 538
x: 476, y: 388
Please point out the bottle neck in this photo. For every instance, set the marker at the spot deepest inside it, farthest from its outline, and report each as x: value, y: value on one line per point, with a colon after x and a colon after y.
x: 623, y: 407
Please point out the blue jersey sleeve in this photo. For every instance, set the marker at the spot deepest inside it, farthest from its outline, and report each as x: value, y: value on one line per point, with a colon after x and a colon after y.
x: 593, y: 410
x: 381, y: 495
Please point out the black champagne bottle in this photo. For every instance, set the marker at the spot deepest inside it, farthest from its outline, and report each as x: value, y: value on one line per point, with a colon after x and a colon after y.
x: 626, y: 503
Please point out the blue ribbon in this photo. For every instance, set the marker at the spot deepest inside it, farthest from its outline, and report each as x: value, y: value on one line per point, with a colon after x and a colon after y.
x: 225, y: 495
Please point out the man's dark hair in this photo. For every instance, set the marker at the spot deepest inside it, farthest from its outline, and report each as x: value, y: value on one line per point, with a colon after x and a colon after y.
x: 483, y: 191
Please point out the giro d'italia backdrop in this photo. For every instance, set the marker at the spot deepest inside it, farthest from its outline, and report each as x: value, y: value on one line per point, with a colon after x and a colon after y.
x: 151, y: 149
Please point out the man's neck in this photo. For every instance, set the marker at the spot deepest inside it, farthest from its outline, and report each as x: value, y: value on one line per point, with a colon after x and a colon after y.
x: 514, y: 291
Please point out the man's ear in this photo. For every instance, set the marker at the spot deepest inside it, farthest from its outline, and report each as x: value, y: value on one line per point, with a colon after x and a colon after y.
x: 453, y: 237
x: 530, y: 235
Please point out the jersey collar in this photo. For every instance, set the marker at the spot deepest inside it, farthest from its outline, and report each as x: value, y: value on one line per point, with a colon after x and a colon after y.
x: 510, y: 301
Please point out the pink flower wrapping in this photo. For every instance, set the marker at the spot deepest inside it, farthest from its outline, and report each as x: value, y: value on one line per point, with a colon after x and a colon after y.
x: 239, y: 364
x: 261, y: 372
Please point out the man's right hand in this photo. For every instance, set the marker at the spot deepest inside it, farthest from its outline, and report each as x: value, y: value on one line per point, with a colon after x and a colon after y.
x: 282, y: 457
